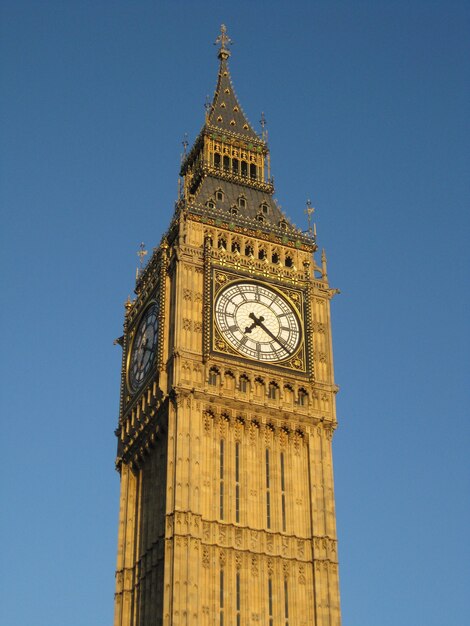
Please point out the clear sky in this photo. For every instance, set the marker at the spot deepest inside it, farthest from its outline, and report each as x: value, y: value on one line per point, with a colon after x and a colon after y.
x: 367, y: 104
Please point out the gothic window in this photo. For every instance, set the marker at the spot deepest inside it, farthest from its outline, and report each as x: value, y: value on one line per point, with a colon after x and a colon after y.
x: 229, y: 381
x: 262, y: 254
x: 222, y: 243
x: 252, y: 170
x: 259, y: 388
x: 221, y: 478
x: 244, y: 168
x: 235, y: 166
x: 249, y: 250
x: 268, y: 489
x: 237, y: 482
x: 303, y: 397
x: 286, y: 603
x: 235, y: 246
x: 275, y: 257
x: 242, y: 202
x: 283, y: 493
x: 213, y: 376
x: 233, y: 211
x: 288, y: 394
x: 219, y: 194
x: 237, y: 601
x: 210, y: 204
x: 289, y: 261
x: 259, y: 218
x: 226, y: 163
x: 216, y: 159
x: 244, y: 381
x: 273, y: 391
x: 221, y: 598
x: 264, y: 208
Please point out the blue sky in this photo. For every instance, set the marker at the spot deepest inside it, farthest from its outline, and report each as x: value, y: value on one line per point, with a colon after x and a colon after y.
x: 367, y: 106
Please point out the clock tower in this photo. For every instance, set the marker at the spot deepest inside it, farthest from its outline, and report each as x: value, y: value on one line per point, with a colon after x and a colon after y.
x: 227, y: 514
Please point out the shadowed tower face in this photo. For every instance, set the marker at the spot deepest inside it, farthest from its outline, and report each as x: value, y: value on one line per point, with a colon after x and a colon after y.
x: 227, y: 409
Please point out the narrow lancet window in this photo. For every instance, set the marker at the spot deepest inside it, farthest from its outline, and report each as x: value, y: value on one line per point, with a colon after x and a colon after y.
x: 221, y: 597
x: 221, y: 479
x: 286, y: 603
x: 237, y: 482
x: 270, y: 602
x: 268, y: 492
x: 283, y: 493
x: 238, y: 600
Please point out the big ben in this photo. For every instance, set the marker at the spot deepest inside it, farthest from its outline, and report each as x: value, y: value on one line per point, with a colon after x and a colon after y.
x: 227, y: 410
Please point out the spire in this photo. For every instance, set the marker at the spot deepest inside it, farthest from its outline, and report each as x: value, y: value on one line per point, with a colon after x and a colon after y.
x: 225, y: 113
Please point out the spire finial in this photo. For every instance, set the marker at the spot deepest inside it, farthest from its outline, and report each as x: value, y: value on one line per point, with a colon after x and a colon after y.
x: 264, y: 130
x: 224, y: 40
x: 142, y: 253
x: 309, y: 211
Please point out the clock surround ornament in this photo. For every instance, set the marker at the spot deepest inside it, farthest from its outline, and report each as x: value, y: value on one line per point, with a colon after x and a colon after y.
x: 143, y: 347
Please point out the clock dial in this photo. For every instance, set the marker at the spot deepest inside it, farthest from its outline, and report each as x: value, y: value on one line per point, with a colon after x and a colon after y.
x: 143, y: 347
x: 257, y: 321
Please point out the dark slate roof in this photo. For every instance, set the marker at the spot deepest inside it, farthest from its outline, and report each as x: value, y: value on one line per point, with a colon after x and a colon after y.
x: 226, y: 112
x: 232, y: 192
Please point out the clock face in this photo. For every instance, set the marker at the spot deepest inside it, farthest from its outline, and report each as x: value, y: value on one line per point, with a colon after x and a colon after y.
x: 143, y: 347
x: 257, y: 321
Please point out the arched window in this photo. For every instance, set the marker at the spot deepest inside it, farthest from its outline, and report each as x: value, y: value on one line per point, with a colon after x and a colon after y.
x: 216, y: 159
x: 244, y: 383
x: 244, y: 168
x: 229, y: 381
x: 262, y: 254
x: 264, y: 208
x: 242, y: 202
x: 252, y: 170
x: 273, y: 391
x: 249, y: 250
x: 219, y: 194
x: 289, y: 261
x: 275, y: 257
x: 259, y: 218
x: 235, y: 166
x: 303, y: 397
x: 288, y: 395
x: 259, y: 388
x: 233, y: 211
x: 213, y: 376
x: 226, y: 163
x: 210, y: 204
x: 283, y: 225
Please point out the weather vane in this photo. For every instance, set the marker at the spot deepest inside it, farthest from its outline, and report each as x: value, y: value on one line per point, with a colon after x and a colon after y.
x: 224, y: 40
x: 263, y: 123
x: 185, y: 145
x: 309, y: 211
x: 142, y: 253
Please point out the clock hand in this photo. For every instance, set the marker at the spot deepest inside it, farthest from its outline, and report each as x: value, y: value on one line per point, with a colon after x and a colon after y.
x: 273, y: 336
x: 256, y: 322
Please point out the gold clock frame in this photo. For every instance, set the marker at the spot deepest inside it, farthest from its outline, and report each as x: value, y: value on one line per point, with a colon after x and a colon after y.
x: 220, y: 279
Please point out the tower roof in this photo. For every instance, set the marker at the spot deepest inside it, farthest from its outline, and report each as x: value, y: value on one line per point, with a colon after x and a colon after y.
x: 225, y: 113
